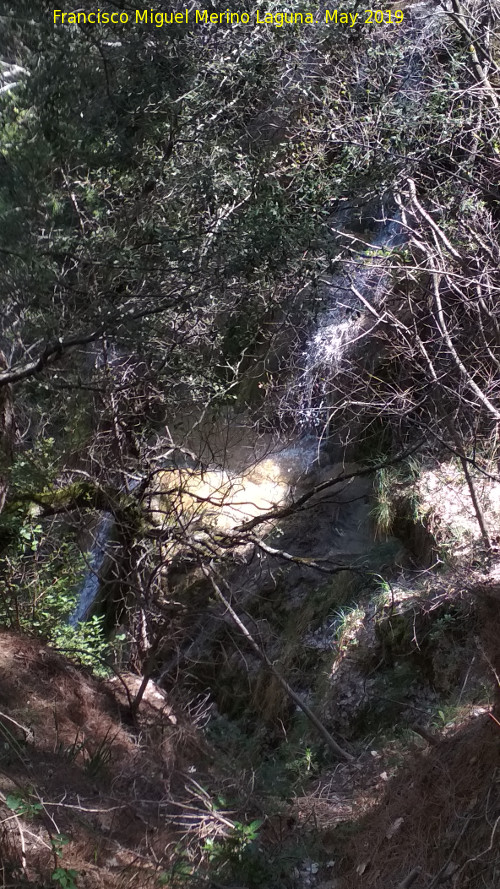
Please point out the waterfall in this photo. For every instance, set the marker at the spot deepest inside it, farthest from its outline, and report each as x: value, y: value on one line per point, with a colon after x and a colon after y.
x: 90, y: 586
x: 337, y: 329
x: 340, y: 326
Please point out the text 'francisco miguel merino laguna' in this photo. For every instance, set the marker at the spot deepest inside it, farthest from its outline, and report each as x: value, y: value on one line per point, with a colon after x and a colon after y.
x: 203, y: 16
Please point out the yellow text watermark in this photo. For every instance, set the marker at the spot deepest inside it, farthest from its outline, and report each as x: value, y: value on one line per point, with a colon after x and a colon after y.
x: 206, y: 17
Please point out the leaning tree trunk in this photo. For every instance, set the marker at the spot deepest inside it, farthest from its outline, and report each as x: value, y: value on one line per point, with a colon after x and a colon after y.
x: 6, y: 433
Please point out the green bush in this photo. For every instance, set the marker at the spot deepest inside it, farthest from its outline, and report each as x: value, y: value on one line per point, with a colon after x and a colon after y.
x: 41, y: 572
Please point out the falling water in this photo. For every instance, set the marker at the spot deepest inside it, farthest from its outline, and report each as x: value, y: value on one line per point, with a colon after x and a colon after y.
x: 340, y: 326
x: 90, y: 586
x: 337, y: 330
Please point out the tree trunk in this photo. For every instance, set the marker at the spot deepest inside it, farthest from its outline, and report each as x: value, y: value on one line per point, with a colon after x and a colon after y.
x: 6, y: 434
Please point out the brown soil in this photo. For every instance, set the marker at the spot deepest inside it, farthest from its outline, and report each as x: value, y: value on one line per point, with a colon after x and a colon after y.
x: 81, y: 769
x: 437, y: 820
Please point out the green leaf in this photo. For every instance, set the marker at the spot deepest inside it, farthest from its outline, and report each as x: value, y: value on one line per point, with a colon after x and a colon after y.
x: 65, y: 877
x: 22, y: 806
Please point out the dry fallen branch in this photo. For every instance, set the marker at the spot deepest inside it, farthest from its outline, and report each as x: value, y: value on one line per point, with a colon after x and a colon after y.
x: 410, y: 879
x: 311, y: 716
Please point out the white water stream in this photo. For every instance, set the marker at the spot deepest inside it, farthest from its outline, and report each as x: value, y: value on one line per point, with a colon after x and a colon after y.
x: 90, y: 586
x: 341, y: 327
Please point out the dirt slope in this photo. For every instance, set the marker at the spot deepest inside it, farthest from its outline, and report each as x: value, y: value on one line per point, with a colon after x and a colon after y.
x: 81, y: 788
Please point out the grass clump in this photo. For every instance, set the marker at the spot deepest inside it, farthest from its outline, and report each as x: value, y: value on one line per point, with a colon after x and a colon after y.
x: 396, y: 498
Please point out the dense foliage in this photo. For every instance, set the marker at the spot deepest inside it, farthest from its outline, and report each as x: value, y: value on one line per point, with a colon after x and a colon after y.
x: 172, y: 202
x: 181, y: 208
